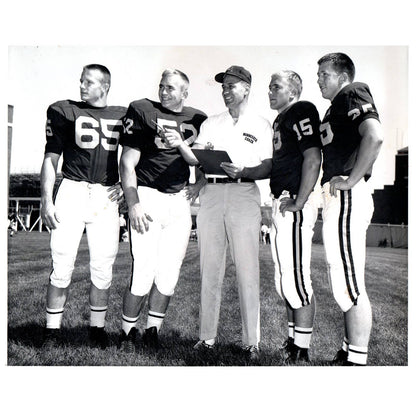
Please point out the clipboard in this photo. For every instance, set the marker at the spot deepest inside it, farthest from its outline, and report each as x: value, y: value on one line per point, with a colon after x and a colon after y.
x: 210, y: 160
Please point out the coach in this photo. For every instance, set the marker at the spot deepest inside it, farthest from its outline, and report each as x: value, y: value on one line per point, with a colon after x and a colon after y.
x: 230, y: 208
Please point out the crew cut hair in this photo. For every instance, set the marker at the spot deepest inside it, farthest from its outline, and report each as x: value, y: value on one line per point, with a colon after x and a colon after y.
x: 103, y: 69
x: 341, y: 63
x: 183, y: 76
x: 293, y: 78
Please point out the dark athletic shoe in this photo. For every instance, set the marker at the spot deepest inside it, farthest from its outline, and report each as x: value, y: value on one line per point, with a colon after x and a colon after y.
x: 340, y: 358
x: 286, y: 348
x: 297, y: 355
x: 51, y: 338
x: 97, y: 337
x: 203, y: 346
x: 150, y: 338
x: 252, y: 352
x: 128, y: 342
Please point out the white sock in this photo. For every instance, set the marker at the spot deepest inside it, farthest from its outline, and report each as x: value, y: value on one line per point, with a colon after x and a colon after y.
x: 291, y: 329
x: 210, y: 341
x: 303, y: 336
x: 357, y: 355
x: 155, y: 319
x: 54, y: 318
x: 97, y: 316
x: 128, y: 323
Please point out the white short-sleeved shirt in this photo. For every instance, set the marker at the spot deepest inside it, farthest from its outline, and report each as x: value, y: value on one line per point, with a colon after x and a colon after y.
x: 248, y: 142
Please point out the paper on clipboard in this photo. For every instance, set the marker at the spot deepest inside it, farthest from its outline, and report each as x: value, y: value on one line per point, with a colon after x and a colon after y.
x: 210, y: 160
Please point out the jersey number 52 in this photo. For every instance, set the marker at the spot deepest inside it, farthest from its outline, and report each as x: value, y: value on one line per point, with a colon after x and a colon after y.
x: 189, y: 133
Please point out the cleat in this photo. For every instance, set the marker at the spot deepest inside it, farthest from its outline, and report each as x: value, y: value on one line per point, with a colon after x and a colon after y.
x: 150, y: 338
x: 340, y: 358
x: 297, y: 355
x: 203, y: 346
x: 51, y: 338
x: 286, y: 348
x: 128, y: 342
x: 252, y: 352
x: 97, y: 337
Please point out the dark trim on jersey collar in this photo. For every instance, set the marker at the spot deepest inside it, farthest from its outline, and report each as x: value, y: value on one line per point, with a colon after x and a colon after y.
x: 85, y: 104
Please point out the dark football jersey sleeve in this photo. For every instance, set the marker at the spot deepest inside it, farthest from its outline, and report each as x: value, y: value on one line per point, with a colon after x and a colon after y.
x: 87, y: 137
x: 160, y: 167
x: 295, y: 131
x: 340, y: 129
x: 134, y: 126
x: 55, y: 129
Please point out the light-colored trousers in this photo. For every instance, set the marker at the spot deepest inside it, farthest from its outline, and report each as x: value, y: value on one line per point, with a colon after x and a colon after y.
x: 79, y: 206
x: 230, y: 216
x: 346, y: 218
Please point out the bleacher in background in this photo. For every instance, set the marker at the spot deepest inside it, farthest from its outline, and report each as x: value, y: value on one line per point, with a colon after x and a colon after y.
x: 391, y: 202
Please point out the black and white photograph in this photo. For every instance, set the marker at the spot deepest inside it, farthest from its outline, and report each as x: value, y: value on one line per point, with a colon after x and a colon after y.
x: 135, y: 278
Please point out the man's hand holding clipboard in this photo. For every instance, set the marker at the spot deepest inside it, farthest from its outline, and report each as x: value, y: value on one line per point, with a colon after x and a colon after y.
x: 212, y: 160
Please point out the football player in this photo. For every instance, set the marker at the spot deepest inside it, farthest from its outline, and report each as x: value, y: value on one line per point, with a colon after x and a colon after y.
x: 155, y: 179
x: 351, y: 137
x: 295, y: 170
x: 86, y: 134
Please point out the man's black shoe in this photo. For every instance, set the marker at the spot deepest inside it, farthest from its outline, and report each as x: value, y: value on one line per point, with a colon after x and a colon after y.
x: 286, y: 348
x: 150, y: 338
x: 51, y: 338
x: 97, y: 337
x: 340, y: 358
x: 128, y: 342
x: 297, y: 355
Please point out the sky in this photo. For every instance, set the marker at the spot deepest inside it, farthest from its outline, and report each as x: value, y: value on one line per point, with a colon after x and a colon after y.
x: 41, y: 75
x: 44, y: 45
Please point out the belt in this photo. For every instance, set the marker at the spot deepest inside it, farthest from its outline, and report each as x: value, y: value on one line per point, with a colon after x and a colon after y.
x: 228, y: 180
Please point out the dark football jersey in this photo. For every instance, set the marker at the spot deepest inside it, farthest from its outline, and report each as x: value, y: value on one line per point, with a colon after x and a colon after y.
x: 160, y: 167
x: 87, y: 137
x: 295, y: 130
x: 339, y: 129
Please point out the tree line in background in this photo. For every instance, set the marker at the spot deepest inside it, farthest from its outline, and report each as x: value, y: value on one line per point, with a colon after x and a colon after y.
x: 26, y: 184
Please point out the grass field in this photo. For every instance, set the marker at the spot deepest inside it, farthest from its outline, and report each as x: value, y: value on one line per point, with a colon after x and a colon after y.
x: 29, y: 267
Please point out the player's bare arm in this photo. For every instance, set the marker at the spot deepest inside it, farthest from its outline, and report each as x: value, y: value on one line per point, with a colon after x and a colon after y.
x: 310, y: 172
x: 173, y: 139
x: 139, y: 220
x: 261, y: 171
x: 47, y: 180
x: 372, y: 139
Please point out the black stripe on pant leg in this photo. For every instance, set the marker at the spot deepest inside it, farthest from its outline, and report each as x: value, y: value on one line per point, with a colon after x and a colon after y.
x: 349, y: 247
x: 131, y: 253
x: 344, y: 237
x: 297, y: 257
x: 307, y: 300
x: 278, y: 259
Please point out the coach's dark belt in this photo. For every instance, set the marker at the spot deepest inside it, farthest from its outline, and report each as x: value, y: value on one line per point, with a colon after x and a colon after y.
x: 228, y: 180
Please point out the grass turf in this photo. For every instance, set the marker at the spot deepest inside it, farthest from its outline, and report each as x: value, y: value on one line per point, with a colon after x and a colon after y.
x: 29, y: 265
